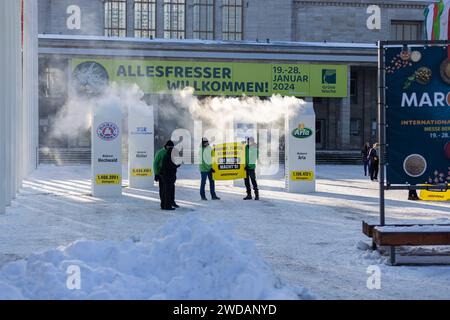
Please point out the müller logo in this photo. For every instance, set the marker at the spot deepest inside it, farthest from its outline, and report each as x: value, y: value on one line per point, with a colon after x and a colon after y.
x: 108, y: 131
x: 141, y: 131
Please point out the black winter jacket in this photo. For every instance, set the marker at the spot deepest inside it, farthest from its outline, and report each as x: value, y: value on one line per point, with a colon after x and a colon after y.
x: 168, y: 169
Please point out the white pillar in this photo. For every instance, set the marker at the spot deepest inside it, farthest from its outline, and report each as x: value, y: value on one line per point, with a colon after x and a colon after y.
x: 16, y: 124
x: 141, y: 138
x: 107, y: 152
x: 300, y: 164
x: 8, y: 88
x: 3, y: 119
x: 30, y: 80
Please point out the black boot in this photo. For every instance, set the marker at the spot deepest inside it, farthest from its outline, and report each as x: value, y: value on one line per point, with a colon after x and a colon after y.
x: 256, y: 195
x: 248, y: 197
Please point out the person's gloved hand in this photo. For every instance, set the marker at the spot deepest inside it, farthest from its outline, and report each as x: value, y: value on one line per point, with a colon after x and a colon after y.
x: 157, y: 177
x: 212, y: 170
x: 246, y: 168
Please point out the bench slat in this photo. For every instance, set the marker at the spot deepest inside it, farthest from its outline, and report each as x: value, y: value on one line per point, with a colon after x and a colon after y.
x: 411, y: 238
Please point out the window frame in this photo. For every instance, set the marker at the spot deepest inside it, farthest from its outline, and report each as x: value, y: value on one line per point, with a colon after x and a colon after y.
x: 140, y: 31
x: 197, y: 31
x: 109, y: 29
x: 355, y: 122
x: 171, y: 4
x: 226, y: 33
x: 396, y: 24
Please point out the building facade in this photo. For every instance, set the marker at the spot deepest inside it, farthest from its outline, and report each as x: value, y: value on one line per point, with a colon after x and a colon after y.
x: 265, y: 31
x: 250, y: 20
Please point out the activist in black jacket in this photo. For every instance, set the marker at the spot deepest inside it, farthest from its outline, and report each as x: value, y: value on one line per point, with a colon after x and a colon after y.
x: 168, y: 174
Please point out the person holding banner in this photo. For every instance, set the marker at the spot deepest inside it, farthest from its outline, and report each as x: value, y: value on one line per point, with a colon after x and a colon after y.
x: 206, y: 170
x: 251, y: 155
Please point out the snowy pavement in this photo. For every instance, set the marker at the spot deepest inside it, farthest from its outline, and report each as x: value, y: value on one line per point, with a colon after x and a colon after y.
x: 309, y: 240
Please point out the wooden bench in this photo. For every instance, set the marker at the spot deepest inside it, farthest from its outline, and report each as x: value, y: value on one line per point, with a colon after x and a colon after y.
x: 393, y: 236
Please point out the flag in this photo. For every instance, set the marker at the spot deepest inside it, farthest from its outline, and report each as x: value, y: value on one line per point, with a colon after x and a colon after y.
x: 437, y: 20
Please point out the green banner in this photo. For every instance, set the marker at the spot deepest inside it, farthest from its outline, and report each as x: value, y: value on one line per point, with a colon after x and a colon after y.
x: 215, y: 78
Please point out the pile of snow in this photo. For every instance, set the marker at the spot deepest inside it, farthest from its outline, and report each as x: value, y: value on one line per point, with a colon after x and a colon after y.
x: 188, y: 259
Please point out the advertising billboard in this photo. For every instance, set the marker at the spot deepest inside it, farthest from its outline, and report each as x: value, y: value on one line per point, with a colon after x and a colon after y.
x: 214, y: 78
x: 417, y: 114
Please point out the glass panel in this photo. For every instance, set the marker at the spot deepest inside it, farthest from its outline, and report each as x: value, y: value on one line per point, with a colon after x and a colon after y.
x: 115, y: 17
x: 232, y: 20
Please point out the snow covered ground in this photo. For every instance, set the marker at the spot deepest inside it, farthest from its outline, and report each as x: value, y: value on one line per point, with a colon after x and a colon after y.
x: 311, y: 241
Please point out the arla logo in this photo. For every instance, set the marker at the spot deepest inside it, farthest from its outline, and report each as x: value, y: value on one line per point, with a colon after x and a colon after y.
x: 436, y: 99
x: 108, y: 131
x: 301, y: 132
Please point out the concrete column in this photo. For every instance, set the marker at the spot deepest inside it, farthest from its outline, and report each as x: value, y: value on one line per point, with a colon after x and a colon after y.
x: 8, y: 97
x: 160, y: 19
x: 130, y: 18
x: 30, y: 86
x: 218, y: 20
x: 3, y: 14
x: 345, y: 118
x: 189, y: 19
x: 18, y: 112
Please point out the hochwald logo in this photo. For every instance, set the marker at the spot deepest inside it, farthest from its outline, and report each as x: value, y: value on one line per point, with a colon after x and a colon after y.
x: 436, y: 99
x: 108, y: 131
x: 301, y: 132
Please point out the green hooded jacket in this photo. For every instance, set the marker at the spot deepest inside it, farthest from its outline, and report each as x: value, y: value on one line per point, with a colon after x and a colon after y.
x: 206, y: 159
x: 157, y: 162
x: 251, y: 156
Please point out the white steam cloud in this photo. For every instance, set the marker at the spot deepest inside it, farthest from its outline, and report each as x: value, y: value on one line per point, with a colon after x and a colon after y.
x: 75, y: 116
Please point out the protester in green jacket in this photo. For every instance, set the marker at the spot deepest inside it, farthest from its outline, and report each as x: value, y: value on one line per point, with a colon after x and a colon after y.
x: 206, y: 170
x: 251, y: 156
x: 157, y: 165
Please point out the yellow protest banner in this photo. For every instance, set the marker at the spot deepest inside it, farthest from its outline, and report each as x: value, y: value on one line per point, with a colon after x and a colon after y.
x: 228, y: 161
x: 434, y: 195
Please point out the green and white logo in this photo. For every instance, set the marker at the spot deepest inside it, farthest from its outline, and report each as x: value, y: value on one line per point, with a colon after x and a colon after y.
x: 301, y: 132
x: 329, y: 76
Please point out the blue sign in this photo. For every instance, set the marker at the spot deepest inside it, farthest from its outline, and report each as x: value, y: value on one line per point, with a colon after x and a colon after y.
x: 418, y: 115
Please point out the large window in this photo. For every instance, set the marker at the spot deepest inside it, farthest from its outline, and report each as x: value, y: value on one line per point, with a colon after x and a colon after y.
x: 232, y: 19
x: 115, y: 18
x: 407, y: 30
x: 145, y: 18
x: 204, y: 19
x: 355, y: 127
x: 174, y: 19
